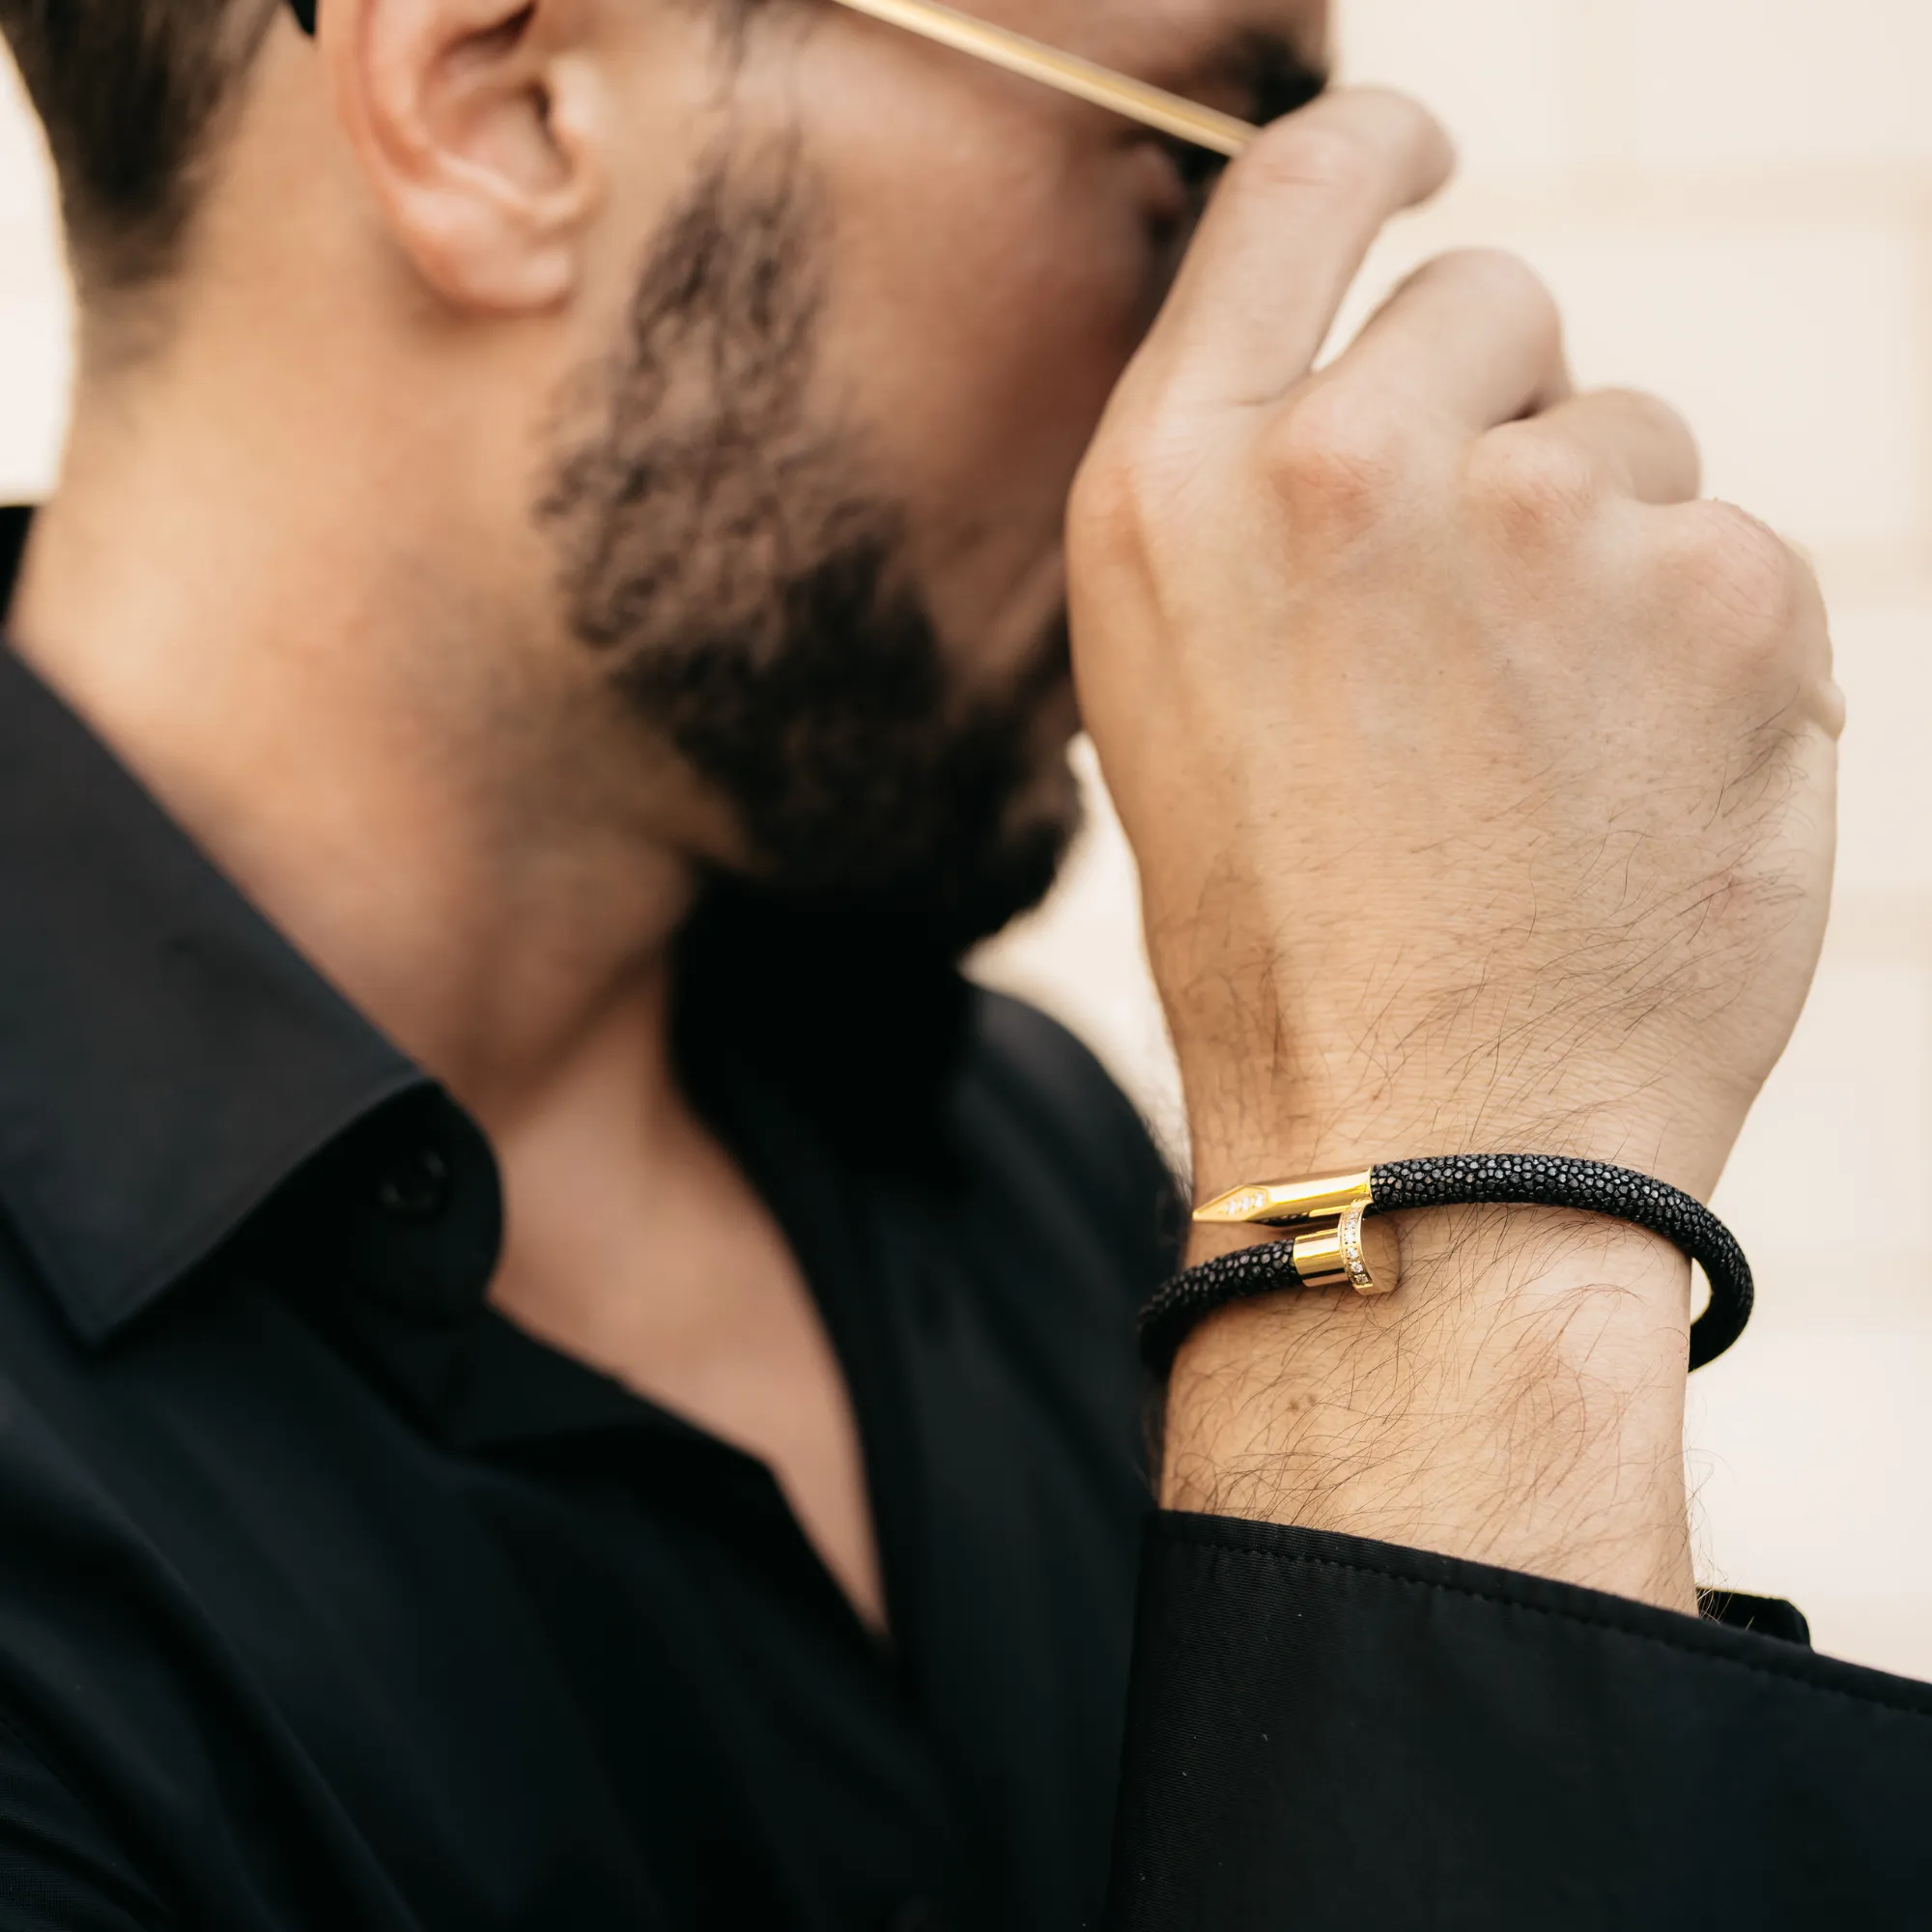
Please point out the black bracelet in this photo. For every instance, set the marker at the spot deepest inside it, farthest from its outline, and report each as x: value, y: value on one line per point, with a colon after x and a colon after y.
x: 1467, y: 1180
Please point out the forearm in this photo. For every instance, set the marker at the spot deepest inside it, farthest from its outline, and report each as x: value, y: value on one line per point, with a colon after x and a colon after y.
x: 1518, y: 1402
x: 1480, y: 780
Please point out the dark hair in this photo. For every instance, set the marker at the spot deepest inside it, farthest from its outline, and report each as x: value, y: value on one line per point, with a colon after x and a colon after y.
x: 131, y: 94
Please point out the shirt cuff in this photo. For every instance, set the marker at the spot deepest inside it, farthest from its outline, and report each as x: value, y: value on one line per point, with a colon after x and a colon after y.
x: 1325, y: 1731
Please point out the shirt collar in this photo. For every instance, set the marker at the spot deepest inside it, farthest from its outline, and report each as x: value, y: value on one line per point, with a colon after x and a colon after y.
x: 167, y: 1060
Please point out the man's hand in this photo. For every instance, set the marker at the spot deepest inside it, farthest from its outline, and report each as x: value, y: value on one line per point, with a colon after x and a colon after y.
x: 1481, y: 782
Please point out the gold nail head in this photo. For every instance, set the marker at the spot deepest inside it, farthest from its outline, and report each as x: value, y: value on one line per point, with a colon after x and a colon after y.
x: 1351, y: 1252
x: 1371, y: 1253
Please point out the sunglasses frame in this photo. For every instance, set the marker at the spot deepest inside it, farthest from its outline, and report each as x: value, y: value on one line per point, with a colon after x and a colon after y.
x: 1170, y: 114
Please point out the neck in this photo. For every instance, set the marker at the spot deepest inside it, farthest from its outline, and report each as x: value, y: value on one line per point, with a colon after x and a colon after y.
x: 364, y: 744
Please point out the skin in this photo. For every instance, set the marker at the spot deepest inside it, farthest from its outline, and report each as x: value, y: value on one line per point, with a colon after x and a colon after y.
x: 293, y: 574
x: 1546, y: 867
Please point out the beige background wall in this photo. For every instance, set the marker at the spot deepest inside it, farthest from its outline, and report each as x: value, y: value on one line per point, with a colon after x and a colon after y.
x: 1734, y: 198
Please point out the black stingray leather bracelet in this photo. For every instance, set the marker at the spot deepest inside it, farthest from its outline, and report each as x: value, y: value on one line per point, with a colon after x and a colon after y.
x: 1334, y: 1243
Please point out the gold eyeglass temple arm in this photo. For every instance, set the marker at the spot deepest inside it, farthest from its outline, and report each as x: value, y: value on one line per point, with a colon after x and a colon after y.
x: 1084, y: 79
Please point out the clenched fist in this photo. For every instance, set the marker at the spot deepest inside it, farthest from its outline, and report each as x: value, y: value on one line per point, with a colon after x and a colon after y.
x: 1481, y: 780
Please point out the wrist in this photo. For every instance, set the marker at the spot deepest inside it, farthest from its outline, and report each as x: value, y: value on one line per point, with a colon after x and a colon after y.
x: 1518, y: 1401
x: 1279, y: 1083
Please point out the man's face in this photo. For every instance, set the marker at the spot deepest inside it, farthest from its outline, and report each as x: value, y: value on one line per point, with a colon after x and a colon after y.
x: 809, y: 503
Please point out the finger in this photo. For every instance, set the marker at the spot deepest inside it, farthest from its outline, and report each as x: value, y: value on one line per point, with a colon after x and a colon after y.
x: 1471, y: 339
x: 1646, y: 446
x: 1282, y: 240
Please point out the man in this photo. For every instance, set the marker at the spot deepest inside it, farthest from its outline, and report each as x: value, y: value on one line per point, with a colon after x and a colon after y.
x: 561, y: 1371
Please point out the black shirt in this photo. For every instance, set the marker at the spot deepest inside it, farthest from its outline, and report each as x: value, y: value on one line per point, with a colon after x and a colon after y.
x: 328, y: 1599
x: 333, y: 1599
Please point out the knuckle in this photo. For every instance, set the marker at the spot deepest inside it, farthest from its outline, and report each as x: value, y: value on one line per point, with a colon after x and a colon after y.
x: 1328, y: 159
x: 1107, y: 511
x: 1337, y: 459
x: 1507, y: 284
x: 1652, y: 413
x: 1132, y: 484
x: 1351, y: 144
x: 1674, y: 457
x: 1749, y: 580
x: 1533, y: 487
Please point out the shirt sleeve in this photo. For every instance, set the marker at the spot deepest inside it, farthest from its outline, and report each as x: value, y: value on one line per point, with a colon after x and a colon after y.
x: 1327, y: 1732
x: 59, y: 1870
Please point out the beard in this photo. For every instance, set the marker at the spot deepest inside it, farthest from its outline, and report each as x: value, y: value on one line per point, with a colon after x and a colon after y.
x: 721, y: 551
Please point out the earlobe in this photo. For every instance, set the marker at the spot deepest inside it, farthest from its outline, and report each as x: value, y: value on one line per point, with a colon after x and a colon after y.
x: 475, y: 124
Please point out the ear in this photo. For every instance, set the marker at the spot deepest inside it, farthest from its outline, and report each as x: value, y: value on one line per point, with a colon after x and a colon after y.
x: 476, y: 123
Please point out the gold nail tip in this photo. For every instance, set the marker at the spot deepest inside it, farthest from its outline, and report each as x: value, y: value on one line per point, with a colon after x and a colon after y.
x: 1281, y: 1201
x: 1238, y: 1206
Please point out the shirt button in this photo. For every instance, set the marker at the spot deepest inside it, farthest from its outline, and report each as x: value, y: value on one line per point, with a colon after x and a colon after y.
x: 417, y: 1188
